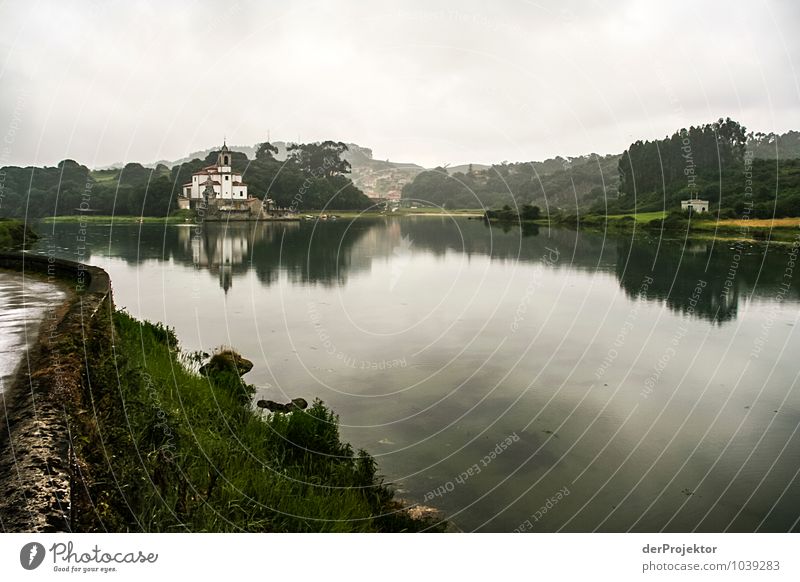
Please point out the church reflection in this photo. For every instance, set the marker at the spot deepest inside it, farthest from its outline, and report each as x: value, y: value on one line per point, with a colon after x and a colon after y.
x: 223, y: 249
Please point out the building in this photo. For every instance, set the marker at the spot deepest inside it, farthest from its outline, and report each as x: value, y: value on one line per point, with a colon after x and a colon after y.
x: 694, y: 205
x: 217, y: 184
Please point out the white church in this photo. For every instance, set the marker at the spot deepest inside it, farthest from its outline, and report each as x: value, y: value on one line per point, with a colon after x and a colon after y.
x: 220, y: 178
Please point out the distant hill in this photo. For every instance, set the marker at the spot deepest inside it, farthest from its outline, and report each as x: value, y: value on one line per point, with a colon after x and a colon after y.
x: 379, y: 178
x: 464, y: 168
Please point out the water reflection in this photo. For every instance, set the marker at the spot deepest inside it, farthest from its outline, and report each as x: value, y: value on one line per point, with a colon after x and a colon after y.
x: 726, y: 273
x: 705, y: 277
x: 221, y: 251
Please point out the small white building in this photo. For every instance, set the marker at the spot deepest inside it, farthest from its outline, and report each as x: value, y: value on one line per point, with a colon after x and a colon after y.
x: 694, y: 205
x: 227, y: 185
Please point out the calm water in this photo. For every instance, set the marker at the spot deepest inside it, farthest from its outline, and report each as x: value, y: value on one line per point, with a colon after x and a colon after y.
x: 575, y: 381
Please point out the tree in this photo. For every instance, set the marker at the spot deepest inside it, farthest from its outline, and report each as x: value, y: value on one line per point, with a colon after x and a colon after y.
x: 529, y: 212
x: 322, y: 159
x: 266, y: 152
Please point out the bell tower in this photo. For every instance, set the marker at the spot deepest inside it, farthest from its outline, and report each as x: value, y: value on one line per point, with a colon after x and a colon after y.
x: 224, y: 159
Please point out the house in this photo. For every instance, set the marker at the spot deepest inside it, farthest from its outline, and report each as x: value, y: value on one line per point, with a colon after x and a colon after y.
x: 694, y: 205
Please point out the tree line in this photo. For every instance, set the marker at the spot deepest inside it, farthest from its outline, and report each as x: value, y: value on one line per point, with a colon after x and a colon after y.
x: 557, y: 183
x: 716, y: 162
x: 739, y: 173
x: 314, y: 176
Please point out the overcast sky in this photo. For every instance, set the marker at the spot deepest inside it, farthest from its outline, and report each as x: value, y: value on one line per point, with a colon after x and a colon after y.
x: 429, y: 82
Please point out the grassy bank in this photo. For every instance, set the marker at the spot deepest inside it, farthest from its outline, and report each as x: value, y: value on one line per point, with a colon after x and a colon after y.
x: 699, y: 225
x: 14, y: 233
x: 168, y: 449
x: 175, y: 218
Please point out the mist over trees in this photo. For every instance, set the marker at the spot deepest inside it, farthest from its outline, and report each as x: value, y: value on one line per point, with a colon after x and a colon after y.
x: 314, y: 176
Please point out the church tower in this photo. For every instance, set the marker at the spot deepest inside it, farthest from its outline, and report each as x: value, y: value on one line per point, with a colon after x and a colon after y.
x: 224, y: 159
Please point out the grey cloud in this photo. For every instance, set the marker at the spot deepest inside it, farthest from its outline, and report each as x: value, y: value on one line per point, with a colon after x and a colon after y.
x: 416, y: 81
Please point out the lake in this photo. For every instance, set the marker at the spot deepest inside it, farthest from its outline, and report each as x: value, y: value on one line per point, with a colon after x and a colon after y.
x: 531, y: 380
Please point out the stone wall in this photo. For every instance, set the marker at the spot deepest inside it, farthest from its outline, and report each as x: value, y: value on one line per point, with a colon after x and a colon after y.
x: 39, y: 474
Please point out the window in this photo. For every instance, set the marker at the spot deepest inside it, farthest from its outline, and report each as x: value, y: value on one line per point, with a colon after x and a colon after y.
x: 227, y: 178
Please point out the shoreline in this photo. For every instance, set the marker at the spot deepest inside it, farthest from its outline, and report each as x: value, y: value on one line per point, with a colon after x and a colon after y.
x: 777, y: 230
x: 315, y: 214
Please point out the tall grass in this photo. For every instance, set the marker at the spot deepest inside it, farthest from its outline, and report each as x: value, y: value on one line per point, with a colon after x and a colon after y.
x: 166, y: 449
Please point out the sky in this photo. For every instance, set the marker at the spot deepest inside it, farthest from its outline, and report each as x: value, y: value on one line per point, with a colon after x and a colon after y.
x: 417, y: 81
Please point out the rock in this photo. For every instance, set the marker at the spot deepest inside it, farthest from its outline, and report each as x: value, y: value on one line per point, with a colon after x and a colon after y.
x: 227, y: 361
x: 272, y: 406
x: 300, y: 403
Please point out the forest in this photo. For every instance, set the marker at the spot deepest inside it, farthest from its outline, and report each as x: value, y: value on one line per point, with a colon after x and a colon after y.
x: 715, y: 162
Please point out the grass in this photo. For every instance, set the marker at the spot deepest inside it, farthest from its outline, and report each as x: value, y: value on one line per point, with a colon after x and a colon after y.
x: 105, y: 219
x: 676, y: 221
x: 13, y: 233
x: 757, y: 223
x: 640, y: 217
x: 699, y: 222
x: 105, y: 176
x: 171, y: 450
